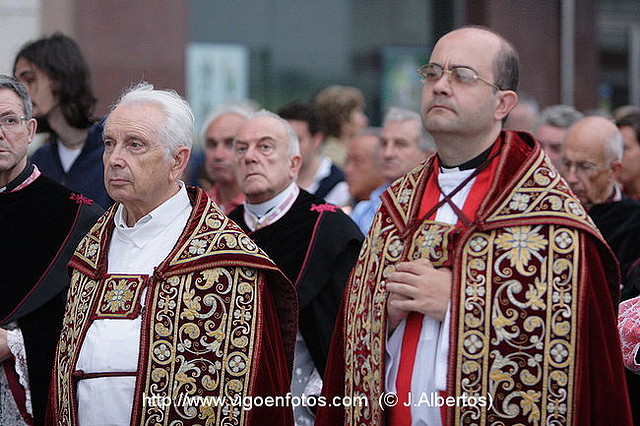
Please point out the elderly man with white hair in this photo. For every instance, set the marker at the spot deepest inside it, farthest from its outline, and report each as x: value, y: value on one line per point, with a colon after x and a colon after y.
x: 404, y: 144
x: 313, y: 242
x: 591, y: 163
x: 173, y: 312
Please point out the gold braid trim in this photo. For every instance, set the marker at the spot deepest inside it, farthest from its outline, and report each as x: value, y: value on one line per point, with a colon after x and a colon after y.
x: 517, y: 325
x: 201, y: 346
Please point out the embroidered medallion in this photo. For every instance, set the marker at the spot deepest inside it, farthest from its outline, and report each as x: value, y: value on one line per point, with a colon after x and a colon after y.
x: 120, y: 297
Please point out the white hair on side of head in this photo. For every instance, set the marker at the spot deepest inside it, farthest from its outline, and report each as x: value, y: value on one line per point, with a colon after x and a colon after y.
x: 615, y: 148
x: 242, y: 110
x: 425, y: 140
x: 177, y: 130
x: 294, y: 143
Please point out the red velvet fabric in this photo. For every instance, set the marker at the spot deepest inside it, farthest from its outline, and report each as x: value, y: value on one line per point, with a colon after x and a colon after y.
x: 598, y: 388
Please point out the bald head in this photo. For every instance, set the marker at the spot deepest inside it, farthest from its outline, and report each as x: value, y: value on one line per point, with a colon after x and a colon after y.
x: 591, y: 154
x: 465, y: 115
x: 596, y: 134
x: 502, y: 55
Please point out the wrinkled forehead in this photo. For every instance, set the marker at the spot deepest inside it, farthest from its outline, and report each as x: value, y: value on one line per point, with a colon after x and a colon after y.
x: 259, y: 128
x: 142, y: 116
x: 584, y: 145
x: 469, y: 47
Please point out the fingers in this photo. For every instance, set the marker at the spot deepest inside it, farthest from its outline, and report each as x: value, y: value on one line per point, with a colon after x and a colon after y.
x: 414, y: 266
x: 405, y: 291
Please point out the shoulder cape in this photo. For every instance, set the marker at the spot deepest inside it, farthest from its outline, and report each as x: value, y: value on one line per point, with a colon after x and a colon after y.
x: 531, y: 304
x: 219, y: 320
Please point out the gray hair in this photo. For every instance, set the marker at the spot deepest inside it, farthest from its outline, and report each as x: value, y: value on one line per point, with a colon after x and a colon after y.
x: 240, y: 110
x: 7, y: 82
x: 614, y: 148
x: 425, y: 140
x: 294, y: 144
x: 563, y: 116
x: 177, y: 130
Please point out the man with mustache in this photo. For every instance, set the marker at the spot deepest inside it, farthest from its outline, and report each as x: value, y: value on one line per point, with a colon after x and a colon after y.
x: 483, y: 294
x: 41, y: 222
x: 173, y: 312
x: 314, y: 243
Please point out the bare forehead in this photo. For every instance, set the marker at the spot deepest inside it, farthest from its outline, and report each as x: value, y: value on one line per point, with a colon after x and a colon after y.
x: 10, y: 101
x: 227, y: 122
x: 262, y: 127
x: 590, y: 134
x: 472, y: 47
x: 140, y: 117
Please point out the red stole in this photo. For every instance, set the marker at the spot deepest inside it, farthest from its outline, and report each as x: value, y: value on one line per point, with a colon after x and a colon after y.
x: 400, y: 415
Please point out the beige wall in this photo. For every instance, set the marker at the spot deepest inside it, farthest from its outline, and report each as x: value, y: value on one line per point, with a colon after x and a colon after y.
x: 19, y: 22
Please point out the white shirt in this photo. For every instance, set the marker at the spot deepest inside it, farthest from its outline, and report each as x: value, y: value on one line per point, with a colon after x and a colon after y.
x: 113, y: 344
x: 339, y: 194
x: 430, y: 368
x: 67, y: 156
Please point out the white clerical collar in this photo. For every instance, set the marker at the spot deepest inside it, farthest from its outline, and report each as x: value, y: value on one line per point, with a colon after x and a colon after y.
x: 260, y: 215
x: 450, y: 178
x: 153, y: 222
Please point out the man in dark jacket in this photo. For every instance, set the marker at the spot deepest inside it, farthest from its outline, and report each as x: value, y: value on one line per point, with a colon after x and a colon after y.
x: 314, y: 243
x: 41, y: 222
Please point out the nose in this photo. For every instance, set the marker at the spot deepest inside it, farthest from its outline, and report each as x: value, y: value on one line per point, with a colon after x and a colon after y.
x: 250, y: 153
x: 570, y: 175
x: 113, y: 157
x: 443, y: 84
x: 388, y: 151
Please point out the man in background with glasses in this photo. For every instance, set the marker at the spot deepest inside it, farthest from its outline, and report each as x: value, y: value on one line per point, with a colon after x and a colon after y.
x: 483, y: 294
x: 591, y: 163
x: 41, y: 222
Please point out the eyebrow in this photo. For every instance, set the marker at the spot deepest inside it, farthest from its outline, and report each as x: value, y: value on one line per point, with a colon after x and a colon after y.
x: 26, y: 73
x: 456, y: 66
x: 262, y: 139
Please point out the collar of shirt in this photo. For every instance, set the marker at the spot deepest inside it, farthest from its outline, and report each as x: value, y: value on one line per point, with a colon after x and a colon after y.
x: 472, y: 164
x: 260, y: 215
x: 154, y: 222
x: 324, y: 170
x: 27, y: 176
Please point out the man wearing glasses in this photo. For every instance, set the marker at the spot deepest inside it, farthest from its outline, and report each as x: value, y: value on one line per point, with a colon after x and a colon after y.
x: 485, y: 292
x: 41, y: 222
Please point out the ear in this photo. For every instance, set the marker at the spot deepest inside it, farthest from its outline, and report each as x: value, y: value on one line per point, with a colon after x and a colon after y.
x: 32, y: 126
x: 507, y: 100
x: 295, y: 162
x: 317, y: 140
x: 616, y: 169
x: 179, y: 162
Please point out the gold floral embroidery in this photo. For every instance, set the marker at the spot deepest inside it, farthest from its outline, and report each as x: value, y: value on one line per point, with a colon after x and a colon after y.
x: 521, y: 244
x: 118, y: 297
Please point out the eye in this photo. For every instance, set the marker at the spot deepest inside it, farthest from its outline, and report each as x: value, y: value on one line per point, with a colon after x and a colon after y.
x: 240, y: 149
x: 430, y: 72
x: 585, y: 167
x: 265, y: 147
x: 108, y: 144
x: 464, y: 75
x: 136, y: 144
x: 10, y: 120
